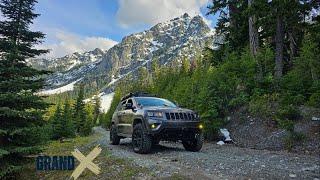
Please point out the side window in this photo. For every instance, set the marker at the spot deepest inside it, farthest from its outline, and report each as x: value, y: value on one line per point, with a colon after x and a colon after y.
x: 121, y: 106
x: 130, y: 101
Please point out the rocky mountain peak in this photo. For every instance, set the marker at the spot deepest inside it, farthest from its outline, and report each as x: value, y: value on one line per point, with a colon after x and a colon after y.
x: 97, y: 51
x: 185, y: 15
x: 168, y: 42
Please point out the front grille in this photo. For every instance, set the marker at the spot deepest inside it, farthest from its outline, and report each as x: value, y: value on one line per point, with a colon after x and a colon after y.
x: 189, y: 116
x: 168, y: 115
x: 185, y: 115
x: 180, y: 116
x: 172, y: 116
x: 177, y: 115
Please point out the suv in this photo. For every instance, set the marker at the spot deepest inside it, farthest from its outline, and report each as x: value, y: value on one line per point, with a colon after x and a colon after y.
x: 148, y: 119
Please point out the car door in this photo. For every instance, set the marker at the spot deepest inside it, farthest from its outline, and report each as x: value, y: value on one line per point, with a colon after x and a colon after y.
x: 120, y: 115
x: 128, y: 117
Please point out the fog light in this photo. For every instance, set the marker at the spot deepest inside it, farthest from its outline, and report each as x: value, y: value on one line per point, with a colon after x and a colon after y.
x: 153, y: 126
x: 200, y: 126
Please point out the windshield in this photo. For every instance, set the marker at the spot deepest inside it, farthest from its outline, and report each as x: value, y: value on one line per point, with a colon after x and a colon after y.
x: 147, y: 101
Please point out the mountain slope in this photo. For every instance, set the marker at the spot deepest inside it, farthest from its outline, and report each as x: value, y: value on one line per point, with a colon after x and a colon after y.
x: 168, y: 42
x: 67, y: 62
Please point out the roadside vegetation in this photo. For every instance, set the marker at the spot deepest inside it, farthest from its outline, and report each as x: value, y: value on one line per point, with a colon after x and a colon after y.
x: 112, y: 167
x: 73, y: 117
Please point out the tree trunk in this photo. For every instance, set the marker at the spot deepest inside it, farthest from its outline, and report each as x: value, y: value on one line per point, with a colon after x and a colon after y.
x: 293, y: 47
x: 232, y: 14
x: 253, y: 33
x: 279, y: 48
x: 254, y: 41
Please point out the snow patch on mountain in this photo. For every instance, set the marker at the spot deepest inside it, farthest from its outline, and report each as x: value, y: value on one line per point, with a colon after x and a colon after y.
x: 65, y: 88
x: 106, y: 100
x: 113, y: 80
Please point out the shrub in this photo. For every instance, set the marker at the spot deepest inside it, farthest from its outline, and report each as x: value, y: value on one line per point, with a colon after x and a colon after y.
x: 289, y: 112
x: 211, y: 128
x: 294, y: 138
x: 262, y: 105
x: 314, y: 100
x: 286, y: 124
x: 238, y: 101
x: 294, y: 99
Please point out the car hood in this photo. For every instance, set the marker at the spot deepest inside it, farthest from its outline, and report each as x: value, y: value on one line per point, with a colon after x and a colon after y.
x: 166, y: 109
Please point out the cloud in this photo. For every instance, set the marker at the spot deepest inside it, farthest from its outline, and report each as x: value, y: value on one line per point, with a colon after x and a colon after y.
x: 150, y: 12
x: 64, y: 43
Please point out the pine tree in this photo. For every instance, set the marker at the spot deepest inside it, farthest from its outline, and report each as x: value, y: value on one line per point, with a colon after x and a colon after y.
x: 57, y: 123
x: 20, y: 109
x: 86, y: 129
x: 185, y: 66
x: 69, y: 130
x: 62, y: 122
x: 143, y: 76
x: 97, y: 105
x: 232, y: 22
x: 155, y: 68
x: 80, y: 116
x: 108, y: 116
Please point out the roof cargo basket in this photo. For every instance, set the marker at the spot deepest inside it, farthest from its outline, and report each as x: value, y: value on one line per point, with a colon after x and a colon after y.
x: 137, y: 94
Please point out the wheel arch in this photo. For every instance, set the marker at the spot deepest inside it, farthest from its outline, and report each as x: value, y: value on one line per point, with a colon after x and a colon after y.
x: 137, y: 121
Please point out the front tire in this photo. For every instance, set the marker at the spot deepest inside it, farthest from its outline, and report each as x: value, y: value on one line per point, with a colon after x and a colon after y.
x: 114, y: 138
x: 141, y: 141
x: 155, y: 141
x: 194, y: 144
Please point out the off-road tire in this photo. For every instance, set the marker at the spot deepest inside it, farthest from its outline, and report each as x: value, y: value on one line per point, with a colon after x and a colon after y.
x: 114, y: 138
x: 141, y: 141
x: 155, y: 141
x: 195, y: 144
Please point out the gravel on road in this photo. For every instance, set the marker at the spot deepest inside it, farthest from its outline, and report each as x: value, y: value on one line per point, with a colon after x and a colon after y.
x: 216, y: 161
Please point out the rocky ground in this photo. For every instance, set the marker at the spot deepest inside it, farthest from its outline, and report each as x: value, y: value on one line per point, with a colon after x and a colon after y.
x: 215, y: 162
x: 263, y: 133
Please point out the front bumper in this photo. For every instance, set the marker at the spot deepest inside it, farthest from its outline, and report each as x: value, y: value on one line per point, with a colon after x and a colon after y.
x: 174, y: 130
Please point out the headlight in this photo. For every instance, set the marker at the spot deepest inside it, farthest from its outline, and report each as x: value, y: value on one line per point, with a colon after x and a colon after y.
x: 155, y: 114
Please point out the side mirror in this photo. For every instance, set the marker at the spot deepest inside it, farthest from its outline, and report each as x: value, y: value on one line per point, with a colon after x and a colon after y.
x: 129, y: 106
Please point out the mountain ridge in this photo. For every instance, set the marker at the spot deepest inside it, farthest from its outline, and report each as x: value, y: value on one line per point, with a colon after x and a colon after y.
x: 169, y: 42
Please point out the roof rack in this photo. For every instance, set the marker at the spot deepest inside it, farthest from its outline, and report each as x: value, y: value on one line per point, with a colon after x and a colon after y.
x: 137, y: 94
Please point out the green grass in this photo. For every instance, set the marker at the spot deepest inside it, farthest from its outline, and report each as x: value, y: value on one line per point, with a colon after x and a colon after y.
x: 111, y: 167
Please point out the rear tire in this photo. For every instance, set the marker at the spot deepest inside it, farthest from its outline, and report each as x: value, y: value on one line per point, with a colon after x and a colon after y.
x: 114, y: 138
x: 141, y: 141
x: 195, y: 144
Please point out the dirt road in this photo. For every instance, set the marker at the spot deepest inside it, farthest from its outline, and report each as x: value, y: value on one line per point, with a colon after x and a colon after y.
x: 216, y: 162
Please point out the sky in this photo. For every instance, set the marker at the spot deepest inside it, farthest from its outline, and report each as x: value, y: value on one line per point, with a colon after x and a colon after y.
x: 82, y: 25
